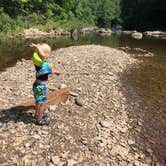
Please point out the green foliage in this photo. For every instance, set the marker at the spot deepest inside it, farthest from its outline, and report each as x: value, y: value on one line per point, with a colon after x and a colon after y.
x: 16, y: 15
x: 50, y: 14
x: 144, y: 15
x: 108, y: 13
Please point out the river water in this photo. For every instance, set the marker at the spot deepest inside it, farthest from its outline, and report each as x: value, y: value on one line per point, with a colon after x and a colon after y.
x: 148, y: 80
x: 13, y: 50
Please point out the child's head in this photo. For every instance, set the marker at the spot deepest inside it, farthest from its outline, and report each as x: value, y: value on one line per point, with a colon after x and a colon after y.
x: 46, y: 49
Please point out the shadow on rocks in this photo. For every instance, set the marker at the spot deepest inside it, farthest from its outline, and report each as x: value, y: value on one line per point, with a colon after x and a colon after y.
x: 17, y: 114
x: 145, y: 90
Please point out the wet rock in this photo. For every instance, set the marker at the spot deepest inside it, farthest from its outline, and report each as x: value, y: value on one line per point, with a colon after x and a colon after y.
x: 137, y: 35
x: 156, y: 34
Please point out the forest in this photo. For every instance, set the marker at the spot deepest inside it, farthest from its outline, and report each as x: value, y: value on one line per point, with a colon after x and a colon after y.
x: 17, y: 15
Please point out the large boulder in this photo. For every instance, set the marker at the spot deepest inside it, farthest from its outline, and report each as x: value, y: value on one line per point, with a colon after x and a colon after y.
x: 137, y: 35
x: 157, y: 34
x: 104, y: 31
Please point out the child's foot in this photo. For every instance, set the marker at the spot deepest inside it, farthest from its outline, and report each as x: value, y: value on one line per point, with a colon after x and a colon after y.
x: 42, y: 122
x: 44, y: 116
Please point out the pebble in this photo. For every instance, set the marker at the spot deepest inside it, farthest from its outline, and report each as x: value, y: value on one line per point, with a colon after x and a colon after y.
x: 131, y: 142
x: 105, y: 124
x: 119, y: 150
x: 79, y: 89
x: 55, y: 159
x: 78, y: 102
x: 62, y: 86
x: 27, y: 145
x: 73, y: 94
x: 52, y: 108
x: 36, y: 136
x: 136, y: 163
x: 71, y: 162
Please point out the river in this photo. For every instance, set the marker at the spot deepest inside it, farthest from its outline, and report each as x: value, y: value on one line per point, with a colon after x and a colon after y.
x: 16, y: 49
x: 148, y: 80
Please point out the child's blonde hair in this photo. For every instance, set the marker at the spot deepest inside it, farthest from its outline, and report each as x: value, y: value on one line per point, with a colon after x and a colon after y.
x: 45, y: 48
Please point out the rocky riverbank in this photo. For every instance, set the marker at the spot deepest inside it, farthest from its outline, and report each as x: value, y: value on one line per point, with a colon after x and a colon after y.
x: 73, y: 33
x: 96, y: 133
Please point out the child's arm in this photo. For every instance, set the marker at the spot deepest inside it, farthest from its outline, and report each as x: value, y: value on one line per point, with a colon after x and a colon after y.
x: 56, y: 72
x: 40, y: 51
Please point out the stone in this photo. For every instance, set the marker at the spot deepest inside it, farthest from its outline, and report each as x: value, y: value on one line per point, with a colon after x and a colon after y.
x: 105, y: 124
x: 137, y: 35
x: 148, y: 160
x: 119, y: 150
x: 52, y: 108
x: 131, y: 142
x: 149, y: 150
x: 71, y: 162
x: 51, y: 164
x: 78, y: 102
x: 27, y: 160
x: 73, y: 94
x: 62, y: 86
x: 55, y: 159
x: 36, y: 136
x: 79, y: 89
x: 27, y: 145
x: 140, y: 123
x: 136, y: 163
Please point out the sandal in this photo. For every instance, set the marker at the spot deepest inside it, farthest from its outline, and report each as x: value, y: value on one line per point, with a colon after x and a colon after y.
x: 42, y: 122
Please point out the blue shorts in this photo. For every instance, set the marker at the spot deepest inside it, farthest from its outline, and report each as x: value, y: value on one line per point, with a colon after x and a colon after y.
x: 39, y: 90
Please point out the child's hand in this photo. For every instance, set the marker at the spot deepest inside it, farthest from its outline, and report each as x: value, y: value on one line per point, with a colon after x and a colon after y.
x: 57, y: 73
x: 33, y: 46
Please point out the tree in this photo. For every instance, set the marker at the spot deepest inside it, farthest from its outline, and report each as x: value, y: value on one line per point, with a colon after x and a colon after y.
x: 144, y: 15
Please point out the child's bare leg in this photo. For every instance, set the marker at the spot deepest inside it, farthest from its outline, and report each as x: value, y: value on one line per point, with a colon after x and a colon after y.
x: 36, y: 109
x: 41, y: 109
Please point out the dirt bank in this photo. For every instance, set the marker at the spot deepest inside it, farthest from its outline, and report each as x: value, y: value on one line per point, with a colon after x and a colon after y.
x: 95, y: 134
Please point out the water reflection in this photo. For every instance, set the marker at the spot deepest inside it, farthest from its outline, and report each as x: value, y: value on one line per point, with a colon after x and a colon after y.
x: 148, y: 82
